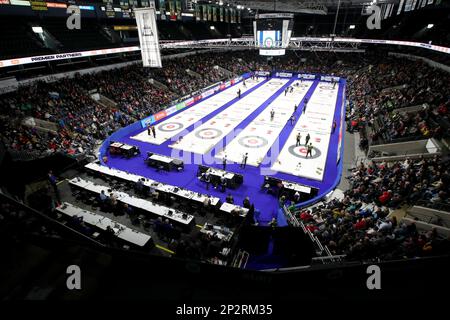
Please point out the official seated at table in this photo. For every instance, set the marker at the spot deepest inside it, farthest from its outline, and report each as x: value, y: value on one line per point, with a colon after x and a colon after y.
x: 75, y: 222
x: 109, y: 234
x: 211, y: 244
x: 229, y: 199
x: 127, y: 211
x: 140, y: 186
x: 114, y: 203
x: 78, y: 223
x: 157, y: 226
x: 102, y: 196
x: 167, y: 230
x: 246, y: 203
x: 206, y: 206
x: 153, y: 193
x: 104, y: 200
x: 110, y: 230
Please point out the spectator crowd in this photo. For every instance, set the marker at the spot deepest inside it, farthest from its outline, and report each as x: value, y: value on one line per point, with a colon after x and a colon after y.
x: 378, y: 92
x: 365, y: 232
x: 81, y: 122
x: 378, y: 89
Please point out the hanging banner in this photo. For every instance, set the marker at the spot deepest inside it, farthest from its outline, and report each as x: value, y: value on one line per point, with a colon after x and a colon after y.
x: 221, y: 14
x: 225, y: 13
x: 239, y: 16
x: 214, y: 10
x: 162, y: 9
x: 133, y: 4
x: 38, y: 5
x: 173, y: 15
x: 110, y: 13
x: 179, y: 10
x: 205, y: 13
x: 148, y: 36
x: 124, y: 5
x: 197, y: 13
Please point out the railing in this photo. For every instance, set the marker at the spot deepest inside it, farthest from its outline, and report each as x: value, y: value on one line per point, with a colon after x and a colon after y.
x: 241, y: 259
x: 434, y: 205
x: 397, y: 140
x: 320, y: 250
x: 226, y: 72
x: 290, y: 217
x: 329, y: 259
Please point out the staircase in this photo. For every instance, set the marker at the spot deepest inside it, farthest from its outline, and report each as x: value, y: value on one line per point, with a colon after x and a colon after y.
x: 427, y: 219
x: 224, y: 71
x: 193, y: 74
x: 403, y: 86
x: 40, y: 125
x: 103, y: 101
x: 158, y: 84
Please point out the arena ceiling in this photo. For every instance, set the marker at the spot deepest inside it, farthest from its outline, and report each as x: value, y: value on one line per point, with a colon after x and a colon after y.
x: 303, y: 6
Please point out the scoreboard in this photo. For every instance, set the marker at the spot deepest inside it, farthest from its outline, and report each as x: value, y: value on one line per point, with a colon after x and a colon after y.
x: 272, y: 32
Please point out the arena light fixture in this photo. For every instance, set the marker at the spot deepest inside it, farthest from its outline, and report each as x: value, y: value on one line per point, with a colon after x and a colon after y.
x: 352, y: 26
x: 37, y: 29
x: 429, y: 26
x: 212, y: 27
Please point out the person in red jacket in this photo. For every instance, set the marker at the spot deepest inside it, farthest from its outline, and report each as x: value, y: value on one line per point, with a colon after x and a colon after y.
x: 305, y: 216
x: 385, y: 197
x: 311, y: 227
x: 361, y: 224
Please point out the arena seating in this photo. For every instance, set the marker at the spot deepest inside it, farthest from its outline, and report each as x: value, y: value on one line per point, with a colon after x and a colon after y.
x: 374, y: 104
x: 358, y: 226
x: 364, y: 231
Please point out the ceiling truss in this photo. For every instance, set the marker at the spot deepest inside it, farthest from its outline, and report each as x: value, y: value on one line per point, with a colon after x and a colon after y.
x: 249, y: 43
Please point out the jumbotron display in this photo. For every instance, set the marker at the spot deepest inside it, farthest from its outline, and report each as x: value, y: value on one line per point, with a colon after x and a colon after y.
x: 272, y: 33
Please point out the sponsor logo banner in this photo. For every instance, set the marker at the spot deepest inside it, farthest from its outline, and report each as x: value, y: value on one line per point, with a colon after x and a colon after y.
x: 329, y: 78
x: 182, y: 105
x: 171, y: 110
x: 208, y: 93
x: 61, y: 56
x: 284, y: 74
x: 306, y: 76
x: 160, y: 115
x: 189, y: 101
